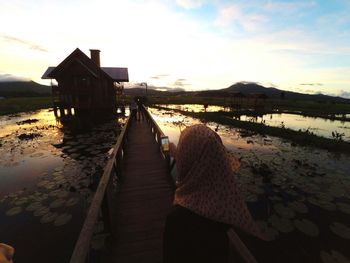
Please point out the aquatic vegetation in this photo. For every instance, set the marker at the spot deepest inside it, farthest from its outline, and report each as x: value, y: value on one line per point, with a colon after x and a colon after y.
x: 48, y: 217
x: 333, y: 257
x: 283, y: 225
x: 298, y: 207
x: 344, y: 207
x: 41, y: 211
x: 34, y: 206
x: 62, y: 219
x: 307, y: 227
x: 284, y: 211
x: 14, y: 211
x: 340, y: 230
x: 72, y: 201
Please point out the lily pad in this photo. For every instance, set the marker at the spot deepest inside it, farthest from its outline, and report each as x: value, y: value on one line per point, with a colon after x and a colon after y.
x: 333, y: 257
x: 21, y: 201
x: 55, y: 192
x: 57, y: 203
x: 41, y: 211
x: 72, y: 201
x: 324, y: 204
x: 284, y: 211
x: 307, y: 227
x: 62, y: 219
x: 283, y: 225
x: 340, y: 230
x: 62, y: 194
x: 49, y: 217
x: 34, y: 206
x: 43, y: 183
x: 345, y: 208
x: 251, y: 198
x: 298, y: 207
x: 14, y: 211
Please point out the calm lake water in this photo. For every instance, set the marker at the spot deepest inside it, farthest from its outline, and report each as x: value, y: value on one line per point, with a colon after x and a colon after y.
x: 48, y: 172
x: 319, y: 126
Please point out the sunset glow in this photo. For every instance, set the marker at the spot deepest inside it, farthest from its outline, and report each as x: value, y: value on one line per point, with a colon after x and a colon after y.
x: 192, y: 44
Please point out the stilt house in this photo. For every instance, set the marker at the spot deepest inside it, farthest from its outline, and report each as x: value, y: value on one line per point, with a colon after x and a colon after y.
x: 83, y: 85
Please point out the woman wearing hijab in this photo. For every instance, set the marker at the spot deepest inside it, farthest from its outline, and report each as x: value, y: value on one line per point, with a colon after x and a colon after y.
x: 207, y: 200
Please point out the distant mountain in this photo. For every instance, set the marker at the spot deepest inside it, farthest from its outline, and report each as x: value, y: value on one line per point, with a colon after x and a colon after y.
x: 153, y: 91
x: 249, y: 88
x: 23, y: 88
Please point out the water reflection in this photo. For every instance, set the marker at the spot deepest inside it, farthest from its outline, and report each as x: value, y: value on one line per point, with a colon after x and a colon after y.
x: 47, y: 180
x: 319, y: 126
x: 194, y: 107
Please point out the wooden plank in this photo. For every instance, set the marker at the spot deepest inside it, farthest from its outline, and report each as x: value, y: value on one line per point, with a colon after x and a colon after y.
x: 143, y: 202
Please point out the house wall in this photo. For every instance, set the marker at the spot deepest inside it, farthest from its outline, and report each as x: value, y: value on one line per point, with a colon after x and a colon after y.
x: 81, y: 89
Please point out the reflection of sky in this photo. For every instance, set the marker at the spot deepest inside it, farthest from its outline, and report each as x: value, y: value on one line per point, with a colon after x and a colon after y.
x: 8, y: 122
x: 193, y: 107
x: 319, y: 126
x: 168, y: 122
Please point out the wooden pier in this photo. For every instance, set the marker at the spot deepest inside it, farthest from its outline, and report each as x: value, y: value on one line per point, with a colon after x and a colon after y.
x: 134, y: 196
x: 143, y: 202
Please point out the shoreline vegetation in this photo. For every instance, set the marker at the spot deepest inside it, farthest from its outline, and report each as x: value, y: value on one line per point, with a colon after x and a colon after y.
x: 316, y: 109
x: 304, y: 138
x: 24, y: 104
x: 312, y: 109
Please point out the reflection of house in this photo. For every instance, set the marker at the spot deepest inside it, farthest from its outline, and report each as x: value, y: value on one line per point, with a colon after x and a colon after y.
x: 85, y: 86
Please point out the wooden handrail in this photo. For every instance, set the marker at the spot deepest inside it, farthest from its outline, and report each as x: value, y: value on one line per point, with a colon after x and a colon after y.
x: 100, y: 200
x: 157, y: 131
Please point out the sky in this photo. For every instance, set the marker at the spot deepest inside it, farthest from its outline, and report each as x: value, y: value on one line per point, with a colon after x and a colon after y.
x: 302, y: 46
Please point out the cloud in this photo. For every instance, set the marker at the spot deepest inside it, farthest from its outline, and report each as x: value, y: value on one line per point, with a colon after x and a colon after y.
x: 288, y: 7
x: 311, y: 84
x: 344, y: 94
x: 4, y: 77
x: 227, y: 15
x: 23, y: 42
x: 233, y: 14
x: 190, y: 4
x: 160, y: 76
x: 180, y: 83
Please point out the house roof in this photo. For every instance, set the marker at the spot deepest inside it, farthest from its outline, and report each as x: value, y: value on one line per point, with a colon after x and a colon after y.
x: 116, y: 74
x: 47, y: 72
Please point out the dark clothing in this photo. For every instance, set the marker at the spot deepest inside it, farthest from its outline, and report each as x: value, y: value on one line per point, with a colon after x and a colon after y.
x: 189, y: 237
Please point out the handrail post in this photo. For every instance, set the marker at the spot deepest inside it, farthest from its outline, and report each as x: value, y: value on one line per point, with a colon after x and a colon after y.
x: 101, y: 203
x: 105, y: 209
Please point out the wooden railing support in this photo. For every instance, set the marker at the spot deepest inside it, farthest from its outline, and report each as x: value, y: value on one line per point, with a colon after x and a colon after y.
x: 101, y: 201
x: 158, y: 134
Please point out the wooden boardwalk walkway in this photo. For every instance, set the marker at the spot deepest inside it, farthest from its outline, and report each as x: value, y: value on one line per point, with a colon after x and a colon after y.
x: 134, y: 196
x: 144, y: 200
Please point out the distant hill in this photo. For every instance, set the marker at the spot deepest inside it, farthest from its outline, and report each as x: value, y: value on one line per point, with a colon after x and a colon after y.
x: 242, y: 87
x: 153, y: 91
x: 23, y: 88
x: 248, y: 88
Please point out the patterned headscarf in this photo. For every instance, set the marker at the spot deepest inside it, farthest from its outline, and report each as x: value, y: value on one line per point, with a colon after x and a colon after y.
x: 206, y: 183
